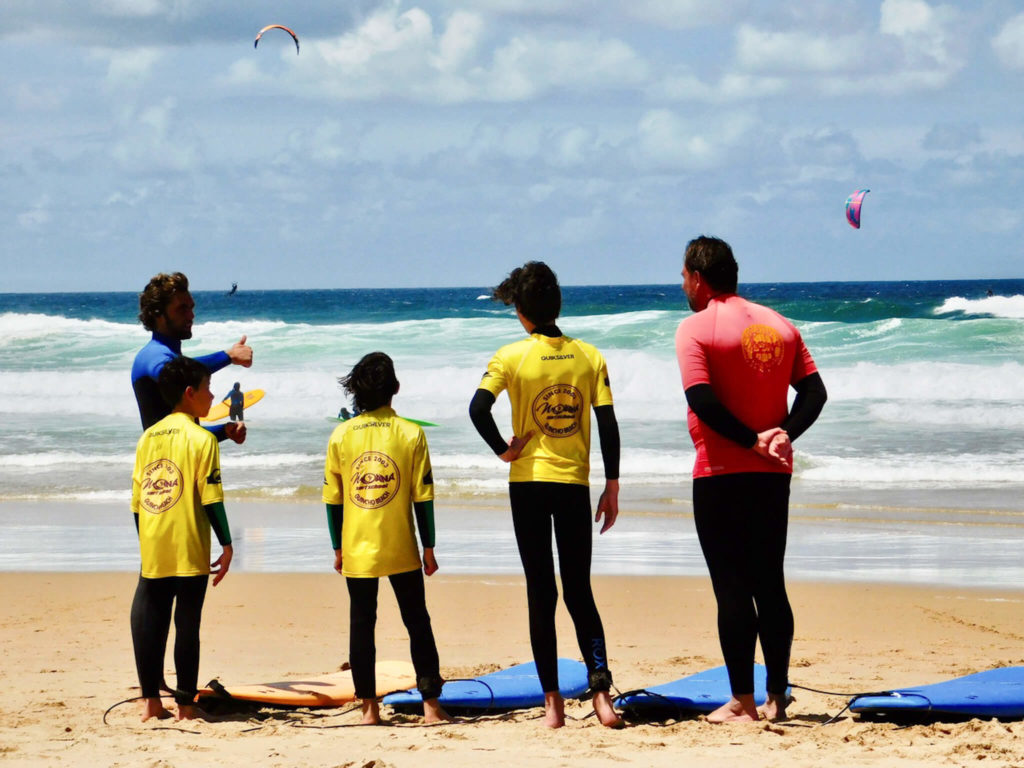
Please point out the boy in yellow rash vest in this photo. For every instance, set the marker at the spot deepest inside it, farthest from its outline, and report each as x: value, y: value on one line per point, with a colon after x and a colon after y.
x: 377, y: 473
x: 176, y: 498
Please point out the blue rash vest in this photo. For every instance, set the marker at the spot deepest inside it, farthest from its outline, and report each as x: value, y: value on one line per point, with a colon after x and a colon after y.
x: 146, y: 368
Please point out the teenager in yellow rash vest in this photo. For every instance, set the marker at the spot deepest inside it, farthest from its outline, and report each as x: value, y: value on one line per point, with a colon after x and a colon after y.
x: 553, y: 381
x: 176, y: 498
x: 376, y: 474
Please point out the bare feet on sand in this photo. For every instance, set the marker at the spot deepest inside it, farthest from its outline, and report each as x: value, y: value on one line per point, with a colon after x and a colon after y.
x: 193, y: 712
x: 606, y: 712
x: 371, y: 712
x: 433, y: 712
x: 153, y: 707
x: 774, y: 709
x: 739, y: 709
x: 554, y: 710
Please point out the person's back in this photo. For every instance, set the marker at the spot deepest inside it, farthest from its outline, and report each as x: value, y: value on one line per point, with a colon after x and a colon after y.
x: 552, y: 382
x: 750, y: 355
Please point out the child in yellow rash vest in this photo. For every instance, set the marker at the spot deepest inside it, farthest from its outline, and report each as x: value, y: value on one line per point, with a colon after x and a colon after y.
x: 176, y: 498
x: 376, y: 474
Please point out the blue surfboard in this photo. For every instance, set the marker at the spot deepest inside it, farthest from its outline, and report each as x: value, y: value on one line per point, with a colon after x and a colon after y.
x: 993, y: 693
x: 700, y: 693
x: 517, y: 687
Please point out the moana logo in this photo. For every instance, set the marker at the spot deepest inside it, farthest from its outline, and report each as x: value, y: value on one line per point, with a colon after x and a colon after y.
x: 763, y: 347
x: 161, y: 486
x: 556, y: 410
x: 374, y: 480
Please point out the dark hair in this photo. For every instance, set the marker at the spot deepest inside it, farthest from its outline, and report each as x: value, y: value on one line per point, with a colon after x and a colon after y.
x: 179, y: 374
x: 714, y: 260
x: 533, y: 288
x: 372, y: 382
x: 157, y: 295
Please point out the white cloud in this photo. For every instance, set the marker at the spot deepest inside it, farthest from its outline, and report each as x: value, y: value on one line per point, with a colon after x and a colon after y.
x: 665, y: 141
x: 128, y: 67
x: 36, y: 217
x: 150, y: 141
x: 797, y: 51
x: 1009, y: 43
x: 686, y: 14
x: 136, y: 8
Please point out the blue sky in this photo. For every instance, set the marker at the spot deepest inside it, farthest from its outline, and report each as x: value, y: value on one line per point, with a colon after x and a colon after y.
x: 443, y: 143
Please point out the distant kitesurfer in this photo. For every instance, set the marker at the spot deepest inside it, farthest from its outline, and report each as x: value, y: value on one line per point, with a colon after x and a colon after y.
x: 738, y: 361
x: 166, y: 309
x: 234, y: 289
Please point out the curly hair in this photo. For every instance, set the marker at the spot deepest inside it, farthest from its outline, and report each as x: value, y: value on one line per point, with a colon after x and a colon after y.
x: 371, y: 382
x: 157, y: 295
x: 533, y: 288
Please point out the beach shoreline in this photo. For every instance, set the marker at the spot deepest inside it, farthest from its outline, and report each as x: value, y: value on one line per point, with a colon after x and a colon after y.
x: 68, y: 658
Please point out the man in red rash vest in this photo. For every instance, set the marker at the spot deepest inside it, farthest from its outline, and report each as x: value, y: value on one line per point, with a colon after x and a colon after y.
x: 738, y: 360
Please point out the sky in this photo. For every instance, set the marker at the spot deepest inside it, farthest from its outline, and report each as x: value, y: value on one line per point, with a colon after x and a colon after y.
x: 444, y: 143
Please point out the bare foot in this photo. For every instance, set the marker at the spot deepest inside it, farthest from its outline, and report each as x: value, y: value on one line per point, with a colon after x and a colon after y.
x: 433, y: 712
x: 554, y: 710
x: 606, y: 712
x: 153, y: 707
x: 774, y: 709
x: 739, y: 709
x: 371, y: 712
x: 191, y: 712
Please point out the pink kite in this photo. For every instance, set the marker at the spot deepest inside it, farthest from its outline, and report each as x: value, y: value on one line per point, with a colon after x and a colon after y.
x: 853, y: 203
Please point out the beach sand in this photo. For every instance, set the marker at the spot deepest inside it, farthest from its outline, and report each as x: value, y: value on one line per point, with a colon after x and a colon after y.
x: 67, y: 658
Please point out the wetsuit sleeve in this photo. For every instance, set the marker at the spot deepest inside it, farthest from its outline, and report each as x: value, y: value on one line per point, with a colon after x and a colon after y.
x: 608, y: 432
x: 425, y: 522
x: 709, y: 409
x: 480, y: 415
x: 810, y: 399
x: 219, y: 522
x: 335, y: 519
x: 215, y: 361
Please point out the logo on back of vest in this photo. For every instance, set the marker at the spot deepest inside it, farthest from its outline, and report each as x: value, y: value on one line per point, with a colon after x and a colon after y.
x: 557, y: 410
x: 374, y: 480
x: 763, y: 347
x: 161, y: 486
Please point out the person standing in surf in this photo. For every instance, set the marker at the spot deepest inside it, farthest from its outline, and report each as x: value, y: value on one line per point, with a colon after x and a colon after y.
x: 177, y: 498
x: 166, y: 308
x: 376, y: 477
x: 738, y: 360
x: 236, y: 409
x: 553, y: 381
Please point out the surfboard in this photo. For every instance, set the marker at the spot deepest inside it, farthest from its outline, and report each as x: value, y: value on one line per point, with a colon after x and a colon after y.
x: 516, y: 687
x: 993, y: 693
x: 326, y: 691
x: 702, y: 692
x: 414, y: 421
x: 221, y: 410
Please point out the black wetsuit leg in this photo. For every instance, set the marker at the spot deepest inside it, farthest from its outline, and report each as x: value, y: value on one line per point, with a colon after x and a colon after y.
x: 362, y: 648
x: 151, y: 621
x: 534, y: 506
x: 412, y: 602
x: 741, y: 522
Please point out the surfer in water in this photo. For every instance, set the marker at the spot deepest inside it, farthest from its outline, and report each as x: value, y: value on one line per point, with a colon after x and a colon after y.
x: 738, y: 361
x: 236, y: 410
x: 166, y: 308
x: 377, y: 478
x: 234, y: 289
x: 553, y: 381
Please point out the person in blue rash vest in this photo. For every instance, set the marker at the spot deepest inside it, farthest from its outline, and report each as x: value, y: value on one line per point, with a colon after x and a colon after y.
x: 166, y: 308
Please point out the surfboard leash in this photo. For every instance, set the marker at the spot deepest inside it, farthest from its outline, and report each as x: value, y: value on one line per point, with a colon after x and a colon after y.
x: 851, y: 696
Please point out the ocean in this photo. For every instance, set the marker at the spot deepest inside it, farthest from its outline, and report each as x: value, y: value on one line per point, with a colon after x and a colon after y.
x: 918, y: 453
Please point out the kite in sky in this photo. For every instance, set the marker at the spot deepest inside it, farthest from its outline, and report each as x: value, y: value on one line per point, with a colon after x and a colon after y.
x: 853, y: 203
x: 277, y: 26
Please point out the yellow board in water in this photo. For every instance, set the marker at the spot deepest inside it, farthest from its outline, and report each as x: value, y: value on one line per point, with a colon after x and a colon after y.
x: 325, y: 691
x: 221, y: 410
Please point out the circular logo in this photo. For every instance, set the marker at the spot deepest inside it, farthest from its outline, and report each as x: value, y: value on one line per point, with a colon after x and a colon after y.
x: 556, y: 410
x: 161, y: 486
x: 763, y: 347
x: 374, y: 480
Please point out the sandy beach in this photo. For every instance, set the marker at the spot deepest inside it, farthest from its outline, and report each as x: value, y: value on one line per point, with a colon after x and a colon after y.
x: 67, y: 658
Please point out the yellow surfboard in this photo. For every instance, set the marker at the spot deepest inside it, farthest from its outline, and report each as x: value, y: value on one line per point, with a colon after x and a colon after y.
x: 325, y: 691
x: 220, y: 410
